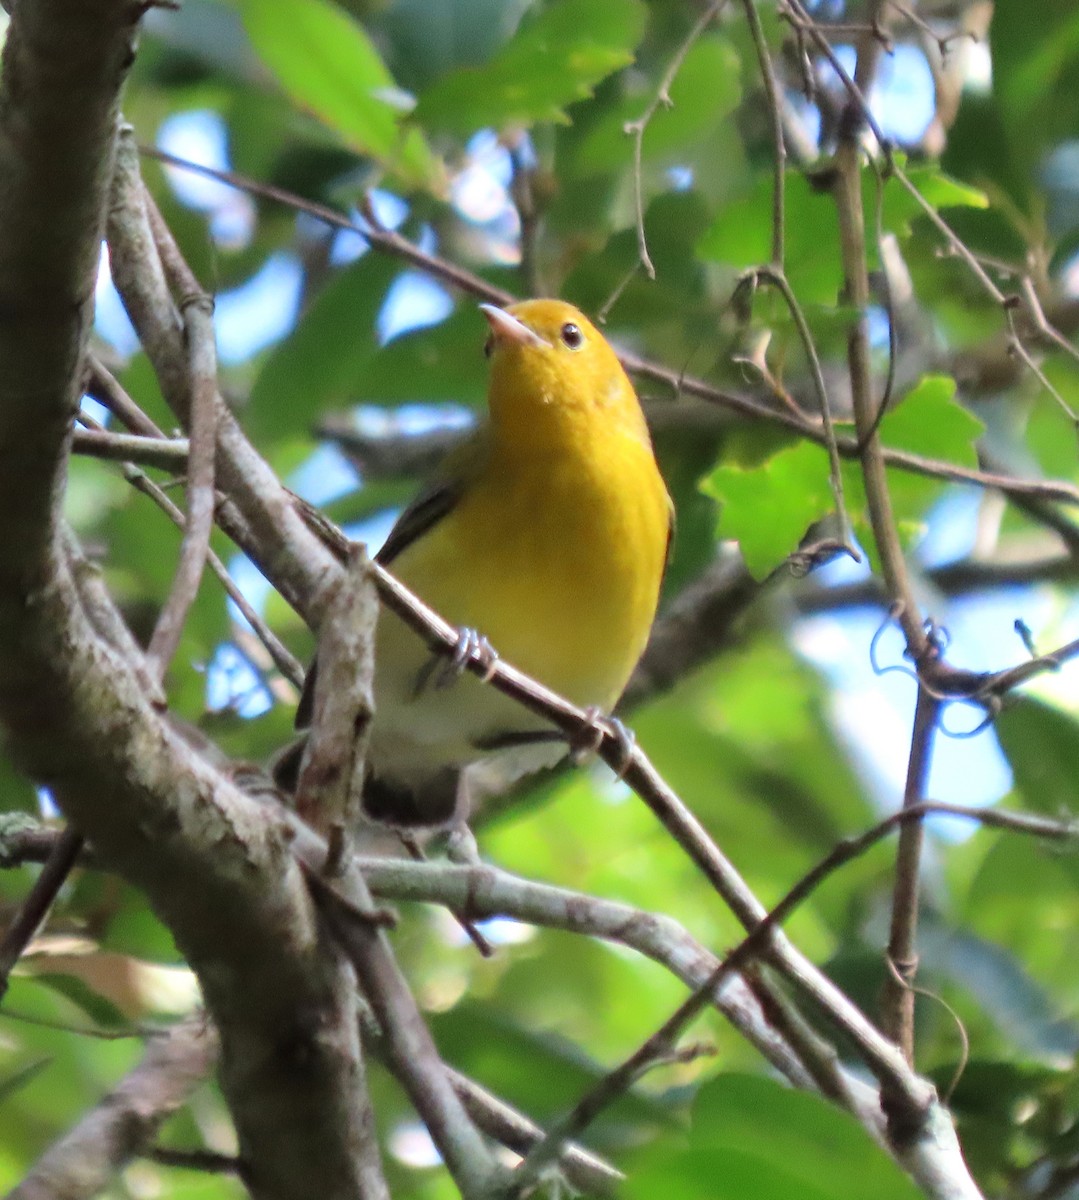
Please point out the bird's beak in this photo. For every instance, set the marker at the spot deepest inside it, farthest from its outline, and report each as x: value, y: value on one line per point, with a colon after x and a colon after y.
x: 505, y: 328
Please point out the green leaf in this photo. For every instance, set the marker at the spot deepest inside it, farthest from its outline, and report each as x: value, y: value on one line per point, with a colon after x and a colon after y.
x: 553, y: 60
x: 10, y: 1084
x: 432, y: 364
x: 100, y: 1009
x: 536, y: 1071
x: 1042, y: 745
x: 17, y: 794
x: 1050, y: 432
x: 329, y: 66
x: 424, y: 40
x: 768, y: 509
x: 986, y: 1101
x: 741, y: 233
x: 741, y: 236
x: 751, y: 1136
x: 317, y: 366
x: 1005, y: 991
x: 705, y: 91
x: 899, y: 207
x: 1023, y: 901
x: 1035, y: 73
x: 928, y: 421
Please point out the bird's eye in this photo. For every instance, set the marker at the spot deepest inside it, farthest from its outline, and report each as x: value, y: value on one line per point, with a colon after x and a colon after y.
x: 572, y: 336
x: 488, y: 346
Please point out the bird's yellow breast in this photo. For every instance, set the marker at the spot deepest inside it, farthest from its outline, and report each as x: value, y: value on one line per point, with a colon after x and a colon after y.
x: 557, y: 559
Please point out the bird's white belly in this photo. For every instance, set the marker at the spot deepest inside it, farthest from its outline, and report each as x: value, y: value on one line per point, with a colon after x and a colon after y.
x: 426, y: 717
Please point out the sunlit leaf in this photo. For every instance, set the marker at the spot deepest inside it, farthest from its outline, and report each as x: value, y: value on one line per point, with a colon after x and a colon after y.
x: 767, y: 509
x: 929, y: 422
x: 329, y: 66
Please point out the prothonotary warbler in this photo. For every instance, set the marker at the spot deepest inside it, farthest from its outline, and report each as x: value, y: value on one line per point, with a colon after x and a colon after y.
x: 547, y: 533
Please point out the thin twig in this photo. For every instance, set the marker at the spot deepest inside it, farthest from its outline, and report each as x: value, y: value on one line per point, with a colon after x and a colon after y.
x: 35, y: 908
x: 107, y: 390
x: 778, y: 279
x: 779, y: 149
x: 658, y: 1048
x: 848, y: 198
x: 285, y: 661
x: 897, y: 998
x: 124, y: 1034
x: 956, y: 245
x: 794, y: 12
x: 197, y: 311
x: 889, y: 302
x: 208, y: 1161
x: 1016, y: 348
x: 584, y: 1170
x: 636, y: 130
x: 283, y: 658
x: 523, y: 194
x: 1036, y: 315
x: 966, y: 575
x: 166, y: 454
x: 380, y: 238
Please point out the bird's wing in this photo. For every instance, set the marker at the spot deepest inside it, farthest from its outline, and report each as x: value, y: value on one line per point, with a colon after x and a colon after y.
x: 428, y: 508
x: 438, y: 498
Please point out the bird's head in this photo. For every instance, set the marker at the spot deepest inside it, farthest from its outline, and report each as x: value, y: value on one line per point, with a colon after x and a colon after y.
x: 553, y: 371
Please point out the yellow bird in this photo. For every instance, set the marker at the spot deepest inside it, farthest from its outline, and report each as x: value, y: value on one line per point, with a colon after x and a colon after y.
x: 547, y: 533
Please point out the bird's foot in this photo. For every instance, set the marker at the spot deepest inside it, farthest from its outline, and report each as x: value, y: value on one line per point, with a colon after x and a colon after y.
x: 589, y: 738
x: 441, y: 672
x: 472, y: 647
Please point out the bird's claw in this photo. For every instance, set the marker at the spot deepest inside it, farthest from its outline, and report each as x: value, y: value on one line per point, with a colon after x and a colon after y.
x: 589, y: 738
x: 471, y: 647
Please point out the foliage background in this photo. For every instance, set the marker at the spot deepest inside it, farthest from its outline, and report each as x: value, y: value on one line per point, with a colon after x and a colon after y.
x: 783, y: 742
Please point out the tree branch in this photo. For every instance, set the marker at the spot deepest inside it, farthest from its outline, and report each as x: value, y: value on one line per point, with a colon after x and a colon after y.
x: 897, y: 998
x: 76, y: 713
x: 167, y: 454
x: 197, y: 309
x: 81, y: 1164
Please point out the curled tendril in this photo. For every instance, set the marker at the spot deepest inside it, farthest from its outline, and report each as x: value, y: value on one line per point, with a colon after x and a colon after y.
x: 890, y: 620
x: 939, y: 639
x: 992, y: 706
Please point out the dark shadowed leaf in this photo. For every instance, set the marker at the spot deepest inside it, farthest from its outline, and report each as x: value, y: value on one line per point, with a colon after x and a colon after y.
x: 554, y: 59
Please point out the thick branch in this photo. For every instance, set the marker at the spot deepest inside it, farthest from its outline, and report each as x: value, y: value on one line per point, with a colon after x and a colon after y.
x: 77, y: 716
